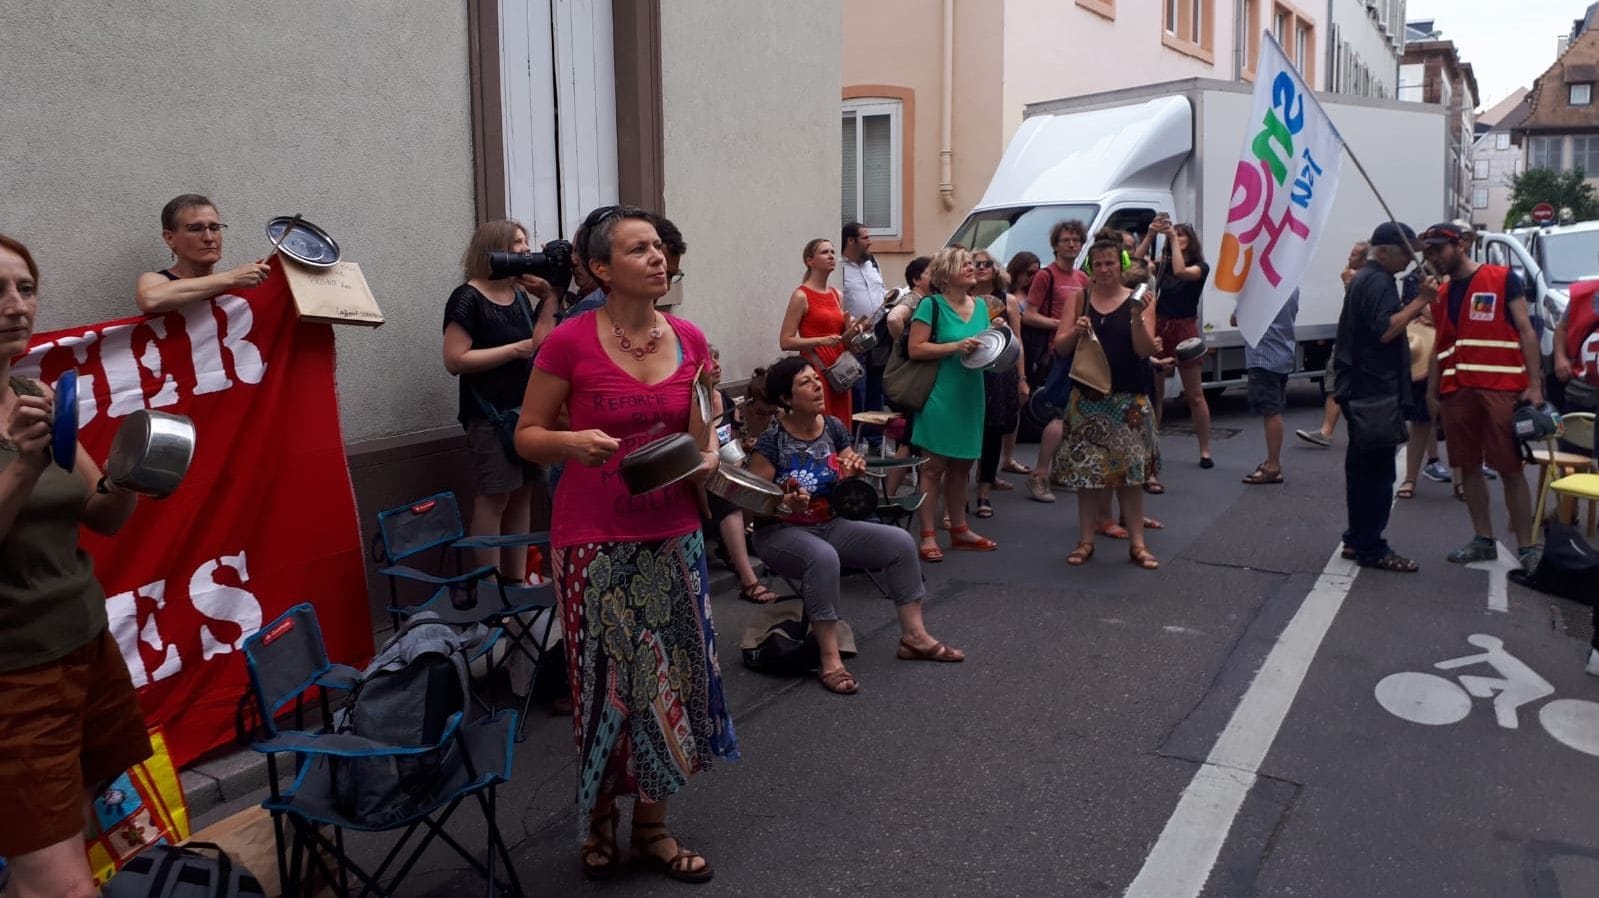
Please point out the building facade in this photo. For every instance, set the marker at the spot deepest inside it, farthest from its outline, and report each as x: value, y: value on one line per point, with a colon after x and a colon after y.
x: 1366, y: 41
x: 1495, y: 160
x: 398, y: 127
x: 1432, y: 71
x: 934, y: 89
x: 1561, y: 128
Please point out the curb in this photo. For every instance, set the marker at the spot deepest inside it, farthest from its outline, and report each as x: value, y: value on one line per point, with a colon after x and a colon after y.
x: 241, y: 772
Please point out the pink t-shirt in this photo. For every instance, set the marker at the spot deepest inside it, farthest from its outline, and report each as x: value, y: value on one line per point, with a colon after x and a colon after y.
x: 591, y: 503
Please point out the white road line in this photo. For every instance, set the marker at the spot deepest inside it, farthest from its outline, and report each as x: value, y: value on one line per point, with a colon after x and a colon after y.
x: 1183, y: 857
x: 1498, y: 578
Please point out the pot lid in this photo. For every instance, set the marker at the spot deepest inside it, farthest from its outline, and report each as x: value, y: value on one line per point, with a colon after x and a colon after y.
x: 305, y: 243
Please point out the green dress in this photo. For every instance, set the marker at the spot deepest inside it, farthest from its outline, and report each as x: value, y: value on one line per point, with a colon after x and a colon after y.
x: 951, y: 423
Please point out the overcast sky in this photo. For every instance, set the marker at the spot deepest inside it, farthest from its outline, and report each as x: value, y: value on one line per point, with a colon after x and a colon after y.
x: 1507, y: 42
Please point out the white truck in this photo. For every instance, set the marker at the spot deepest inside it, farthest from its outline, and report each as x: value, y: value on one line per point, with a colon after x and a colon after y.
x: 1116, y: 159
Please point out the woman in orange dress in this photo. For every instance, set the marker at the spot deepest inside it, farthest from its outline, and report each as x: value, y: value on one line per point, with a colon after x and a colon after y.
x: 816, y: 325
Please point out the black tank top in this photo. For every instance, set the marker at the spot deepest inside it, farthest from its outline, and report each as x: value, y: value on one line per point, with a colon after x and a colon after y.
x: 1128, y: 372
x: 168, y: 275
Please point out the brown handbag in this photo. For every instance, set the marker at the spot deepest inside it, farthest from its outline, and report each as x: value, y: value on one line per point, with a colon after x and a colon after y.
x: 1090, y: 365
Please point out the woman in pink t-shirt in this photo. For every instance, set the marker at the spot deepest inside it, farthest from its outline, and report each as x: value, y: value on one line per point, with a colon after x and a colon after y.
x: 648, y: 707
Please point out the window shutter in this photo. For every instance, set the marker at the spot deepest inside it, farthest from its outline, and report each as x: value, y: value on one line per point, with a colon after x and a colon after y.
x: 851, y: 191
x: 877, y: 169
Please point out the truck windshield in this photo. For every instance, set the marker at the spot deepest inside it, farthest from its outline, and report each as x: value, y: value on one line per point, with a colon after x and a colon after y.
x: 1006, y: 232
x: 1570, y: 257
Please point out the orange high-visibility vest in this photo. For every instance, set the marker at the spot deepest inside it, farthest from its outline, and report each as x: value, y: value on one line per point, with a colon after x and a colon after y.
x: 1582, y: 332
x: 1481, y: 350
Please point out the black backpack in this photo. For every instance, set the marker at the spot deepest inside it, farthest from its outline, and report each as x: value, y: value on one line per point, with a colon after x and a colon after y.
x: 1569, y: 567
x: 195, y: 870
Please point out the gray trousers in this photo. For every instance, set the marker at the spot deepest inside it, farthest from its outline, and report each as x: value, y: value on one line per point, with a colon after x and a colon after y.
x: 814, y: 554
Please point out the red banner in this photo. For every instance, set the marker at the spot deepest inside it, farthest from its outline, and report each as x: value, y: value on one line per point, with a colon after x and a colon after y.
x: 265, y: 519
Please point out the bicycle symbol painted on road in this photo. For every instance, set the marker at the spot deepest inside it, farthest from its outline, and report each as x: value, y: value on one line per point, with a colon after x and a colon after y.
x: 1433, y: 700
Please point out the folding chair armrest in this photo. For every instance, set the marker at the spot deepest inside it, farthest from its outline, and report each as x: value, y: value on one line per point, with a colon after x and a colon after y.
x: 339, y: 676
x: 505, y: 541
x: 348, y: 745
x: 411, y: 573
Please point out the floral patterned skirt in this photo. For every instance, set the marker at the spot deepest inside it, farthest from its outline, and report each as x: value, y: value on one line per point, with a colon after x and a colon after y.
x: 648, y: 709
x: 1110, y: 441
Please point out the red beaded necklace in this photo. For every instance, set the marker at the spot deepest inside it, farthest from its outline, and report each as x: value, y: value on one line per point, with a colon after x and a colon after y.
x: 627, y: 345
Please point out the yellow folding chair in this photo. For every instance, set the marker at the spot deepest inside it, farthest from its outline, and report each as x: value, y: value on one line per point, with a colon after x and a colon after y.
x: 1568, y: 474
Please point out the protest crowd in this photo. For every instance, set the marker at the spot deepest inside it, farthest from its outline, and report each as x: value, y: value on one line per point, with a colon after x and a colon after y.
x: 879, y: 438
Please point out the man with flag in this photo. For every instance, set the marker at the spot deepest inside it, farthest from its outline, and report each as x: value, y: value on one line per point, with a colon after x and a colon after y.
x: 1486, y: 361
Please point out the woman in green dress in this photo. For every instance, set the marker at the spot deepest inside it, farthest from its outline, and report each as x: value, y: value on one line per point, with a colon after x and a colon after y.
x: 949, y: 428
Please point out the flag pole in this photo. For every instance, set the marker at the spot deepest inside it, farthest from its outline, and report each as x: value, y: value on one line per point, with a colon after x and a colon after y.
x: 1415, y: 251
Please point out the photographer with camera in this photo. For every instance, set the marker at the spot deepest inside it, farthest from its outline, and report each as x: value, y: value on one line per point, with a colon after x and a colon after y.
x: 493, y: 325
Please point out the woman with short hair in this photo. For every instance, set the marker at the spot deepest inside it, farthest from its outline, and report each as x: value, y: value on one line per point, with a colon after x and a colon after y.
x: 949, y: 427
x: 192, y: 231
x: 1110, y: 437
x: 808, y: 452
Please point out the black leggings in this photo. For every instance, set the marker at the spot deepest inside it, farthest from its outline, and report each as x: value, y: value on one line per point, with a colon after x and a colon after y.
x: 988, y: 464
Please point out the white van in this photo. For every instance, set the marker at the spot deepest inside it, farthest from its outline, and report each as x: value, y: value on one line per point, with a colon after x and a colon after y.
x: 1116, y: 159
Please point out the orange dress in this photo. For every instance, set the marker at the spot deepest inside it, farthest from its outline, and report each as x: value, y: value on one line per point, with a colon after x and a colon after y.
x: 824, y: 317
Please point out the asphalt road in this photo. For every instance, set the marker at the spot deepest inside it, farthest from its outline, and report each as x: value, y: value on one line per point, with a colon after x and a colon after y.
x: 1115, y: 728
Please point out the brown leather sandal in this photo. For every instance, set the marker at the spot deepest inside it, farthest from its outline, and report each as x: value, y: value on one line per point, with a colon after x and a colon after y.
x: 839, y: 681
x: 1141, y: 556
x: 603, y: 847
x: 935, y: 652
x: 1080, y: 555
x: 677, y: 866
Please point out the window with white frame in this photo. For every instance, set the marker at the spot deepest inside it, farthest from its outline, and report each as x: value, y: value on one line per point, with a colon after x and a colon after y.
x: 1479, y: 170
x: 873, y: 165
x: 1502, y: 140
x: 1580, y: 94
x: 1479, y: 198
x: 1543, y: 152
x: 1172, y: 13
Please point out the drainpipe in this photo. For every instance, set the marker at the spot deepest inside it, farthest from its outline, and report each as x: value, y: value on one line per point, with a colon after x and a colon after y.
x: 946, y: 177
x: 1240, y: 39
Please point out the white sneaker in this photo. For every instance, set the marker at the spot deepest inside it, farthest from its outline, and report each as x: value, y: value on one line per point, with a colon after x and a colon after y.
x: 1593, y: 663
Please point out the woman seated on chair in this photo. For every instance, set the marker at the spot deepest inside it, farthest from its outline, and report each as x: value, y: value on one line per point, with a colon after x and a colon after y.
x: 808, y: 452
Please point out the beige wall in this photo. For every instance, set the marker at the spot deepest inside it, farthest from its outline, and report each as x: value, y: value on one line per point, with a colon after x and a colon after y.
x: 750, y: 93
x: 900, y: 43
x: 361, y: 123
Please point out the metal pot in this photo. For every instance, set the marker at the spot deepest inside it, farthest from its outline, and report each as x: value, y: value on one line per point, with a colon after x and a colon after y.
x: 863, y: 342
x: 660, y: 463
x: 1190, y: 349
x: 746, y: 490
x: 997, y: 350
x: 853, y: 499
x: 151, y: 452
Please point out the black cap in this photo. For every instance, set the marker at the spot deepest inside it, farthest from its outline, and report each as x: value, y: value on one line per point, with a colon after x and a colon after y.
x: 1441, y: 233
x: 1392, y: 233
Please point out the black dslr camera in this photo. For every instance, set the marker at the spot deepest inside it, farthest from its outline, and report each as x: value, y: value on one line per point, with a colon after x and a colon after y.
x: 554, y: 264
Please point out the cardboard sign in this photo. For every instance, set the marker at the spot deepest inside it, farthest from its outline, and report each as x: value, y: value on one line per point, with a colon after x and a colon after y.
x: 337, y: 295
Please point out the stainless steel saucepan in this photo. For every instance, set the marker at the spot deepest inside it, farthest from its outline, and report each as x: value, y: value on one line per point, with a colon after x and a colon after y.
x: 151, y: 452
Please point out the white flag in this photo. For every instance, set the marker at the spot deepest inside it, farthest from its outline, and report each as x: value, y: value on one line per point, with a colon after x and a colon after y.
x: 1286, y: 182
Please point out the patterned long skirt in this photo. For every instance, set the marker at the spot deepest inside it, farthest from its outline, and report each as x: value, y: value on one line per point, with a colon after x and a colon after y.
x: 1110, y: 441
x: 648, y: 709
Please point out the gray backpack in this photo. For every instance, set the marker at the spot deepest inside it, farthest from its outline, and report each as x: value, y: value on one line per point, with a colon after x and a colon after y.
x: 405, y: 698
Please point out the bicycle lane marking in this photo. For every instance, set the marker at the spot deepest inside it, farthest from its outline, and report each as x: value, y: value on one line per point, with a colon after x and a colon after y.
x: 1181, y: 862
x: 1185, y: 854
